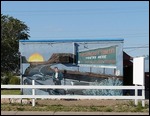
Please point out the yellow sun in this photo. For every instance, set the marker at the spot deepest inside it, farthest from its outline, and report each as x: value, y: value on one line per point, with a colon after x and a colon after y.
x: 36, y: 57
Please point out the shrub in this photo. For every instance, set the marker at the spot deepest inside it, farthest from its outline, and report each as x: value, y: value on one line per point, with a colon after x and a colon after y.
x: 9, y: 78
x: 14, y: 80
x: 106, y: 82
x: 6, y: 78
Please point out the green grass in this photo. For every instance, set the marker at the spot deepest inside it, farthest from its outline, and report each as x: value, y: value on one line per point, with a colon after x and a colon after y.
x: 10, y: 92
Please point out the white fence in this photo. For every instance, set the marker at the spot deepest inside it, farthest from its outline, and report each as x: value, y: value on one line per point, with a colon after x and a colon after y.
x: 33, y: 96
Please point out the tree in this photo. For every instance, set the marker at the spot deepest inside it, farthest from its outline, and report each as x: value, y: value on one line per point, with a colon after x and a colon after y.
x: 12, y: 30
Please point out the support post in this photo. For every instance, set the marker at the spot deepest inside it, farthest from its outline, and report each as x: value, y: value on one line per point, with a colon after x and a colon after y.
x: 74, y: 49
x: 90, y: 69
x: 21, y: 71
x: 103, y: 70
x: 33, y: 93
x: 143, y: 95
x: 136, y: 94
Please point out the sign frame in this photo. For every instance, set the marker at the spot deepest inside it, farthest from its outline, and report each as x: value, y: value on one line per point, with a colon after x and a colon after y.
x: 138, y: 71
x: 104, y: 65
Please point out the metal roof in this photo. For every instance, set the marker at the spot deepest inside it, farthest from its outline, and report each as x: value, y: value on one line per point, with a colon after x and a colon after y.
x: 71, y: 40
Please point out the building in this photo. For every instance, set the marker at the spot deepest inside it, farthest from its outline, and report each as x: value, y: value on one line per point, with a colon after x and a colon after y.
x: 85, y: 60
x: 128, y: 74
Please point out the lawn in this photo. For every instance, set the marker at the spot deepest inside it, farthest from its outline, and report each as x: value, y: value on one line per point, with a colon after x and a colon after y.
x: 10, y: 92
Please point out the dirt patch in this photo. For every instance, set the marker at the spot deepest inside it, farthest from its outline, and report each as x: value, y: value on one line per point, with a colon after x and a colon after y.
x: 76, y: 102
x: 72, y: 102
x: 82, y: 102
x: 5, y: 100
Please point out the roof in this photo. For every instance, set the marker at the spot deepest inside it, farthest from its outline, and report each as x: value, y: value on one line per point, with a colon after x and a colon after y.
x: 72, y: 40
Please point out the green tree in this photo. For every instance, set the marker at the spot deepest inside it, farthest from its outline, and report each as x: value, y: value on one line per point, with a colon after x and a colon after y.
x: 12, y: 30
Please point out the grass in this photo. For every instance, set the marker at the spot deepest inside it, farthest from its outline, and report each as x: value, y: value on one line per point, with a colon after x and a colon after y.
x: 10, y: 92
x: 76, y: 108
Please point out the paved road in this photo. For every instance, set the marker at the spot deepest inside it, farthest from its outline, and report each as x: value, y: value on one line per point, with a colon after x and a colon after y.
x: 69, y: 113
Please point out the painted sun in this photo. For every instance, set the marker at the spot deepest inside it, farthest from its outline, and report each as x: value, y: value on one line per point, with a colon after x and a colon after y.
x: 36, y: 57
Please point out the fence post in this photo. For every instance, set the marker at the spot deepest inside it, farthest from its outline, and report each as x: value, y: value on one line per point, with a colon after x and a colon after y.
x: 136, y: 94
x: 143, y: 97
x: 33, y: 93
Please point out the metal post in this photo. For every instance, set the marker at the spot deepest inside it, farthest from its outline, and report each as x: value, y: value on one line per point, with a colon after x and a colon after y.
x: 143, y: 95
x: 21, y: 79
x: 136, y: 94
x: 115, y: 71
x: 103, y: 70
x: 65, y: 77
x: 33, y: 93
x: 90, y: 69
x: 73, y: 52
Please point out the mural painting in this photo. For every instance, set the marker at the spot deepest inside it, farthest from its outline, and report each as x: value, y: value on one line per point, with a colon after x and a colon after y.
x: 48, y: 71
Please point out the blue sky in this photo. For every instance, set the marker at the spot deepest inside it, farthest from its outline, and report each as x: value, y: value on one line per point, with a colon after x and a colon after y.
x: 85, y: 19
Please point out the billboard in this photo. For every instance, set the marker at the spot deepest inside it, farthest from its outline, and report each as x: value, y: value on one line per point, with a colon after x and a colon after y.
x: 101, y: 56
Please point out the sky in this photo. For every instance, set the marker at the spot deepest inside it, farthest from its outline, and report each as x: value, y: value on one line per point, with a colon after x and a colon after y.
x: 85, y: 20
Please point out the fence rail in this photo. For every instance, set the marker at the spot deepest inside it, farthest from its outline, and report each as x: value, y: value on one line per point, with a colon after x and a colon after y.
x: 33, y: 96
x: 71, y: 87
x: 71, y: 96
